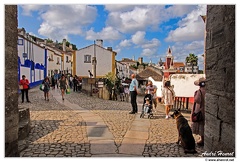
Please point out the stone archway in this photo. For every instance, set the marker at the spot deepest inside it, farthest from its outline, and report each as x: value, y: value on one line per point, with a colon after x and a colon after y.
x: 220, y: 75
x: 11, y: 82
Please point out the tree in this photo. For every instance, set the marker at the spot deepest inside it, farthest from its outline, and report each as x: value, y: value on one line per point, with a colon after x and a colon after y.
x: 192, y: 60
x: 110, y: 81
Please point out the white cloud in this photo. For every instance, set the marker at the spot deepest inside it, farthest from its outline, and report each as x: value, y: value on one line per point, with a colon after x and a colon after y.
x: 119, y: 7
x: 131, y: 18
x: 149, y: 47
x: 190, y: 28
x: 151, y: 44
x: 148, y: 52
x: 28, y: 9
x: 139, y: 18
x: 61, y: 20
x: 125, y: 43
x: 180, y: 50
x: 107, y: 33
x: 138, y: 37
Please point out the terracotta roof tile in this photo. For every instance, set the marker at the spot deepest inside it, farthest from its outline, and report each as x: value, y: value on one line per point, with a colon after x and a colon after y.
x: 149, y: 72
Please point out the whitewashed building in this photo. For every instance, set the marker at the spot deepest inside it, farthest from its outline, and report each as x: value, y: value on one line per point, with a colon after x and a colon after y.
x: 32, y: 59
x: 105, y: 58
x: 122, y: 70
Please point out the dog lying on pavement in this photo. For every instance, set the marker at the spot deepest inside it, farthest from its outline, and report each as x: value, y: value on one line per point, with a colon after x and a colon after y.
x: 184, y: 133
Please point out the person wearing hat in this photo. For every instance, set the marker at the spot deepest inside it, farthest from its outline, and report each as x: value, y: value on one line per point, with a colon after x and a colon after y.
x: 199, y: 100
x: 24, y: 86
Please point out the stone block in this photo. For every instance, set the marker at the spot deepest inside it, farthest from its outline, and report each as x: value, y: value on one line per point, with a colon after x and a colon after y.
x: 228, y: 137
x: 226, y: 110
x: 212, y: 127
x: 103, y: 147
x: 211, y: 104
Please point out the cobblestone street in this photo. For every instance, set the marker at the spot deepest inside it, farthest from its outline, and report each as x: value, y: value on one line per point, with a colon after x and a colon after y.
x: 84, y: 126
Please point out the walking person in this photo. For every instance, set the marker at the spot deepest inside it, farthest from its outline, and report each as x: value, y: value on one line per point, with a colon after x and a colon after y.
x: 152, y: 89
x: 126, y: 93
x: 63, y: 85
x: 52, y: 82
x: 24, y: 84
x: 121, y: 92
x: 56, y: 79
x: 199, y: 100
x: 168, y: 95
x: 75, y: 83
x: 71, y: 81
x: 46, y: 83
x: 133, y: 94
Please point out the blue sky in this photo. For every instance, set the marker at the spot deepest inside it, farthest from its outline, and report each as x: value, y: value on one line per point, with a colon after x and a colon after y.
x: 131, y: 30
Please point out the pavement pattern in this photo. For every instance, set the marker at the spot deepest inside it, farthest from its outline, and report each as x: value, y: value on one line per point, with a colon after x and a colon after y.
x: 86, y: 126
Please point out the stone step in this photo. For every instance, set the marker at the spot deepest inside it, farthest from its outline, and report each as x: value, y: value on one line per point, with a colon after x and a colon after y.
x: 22, y: 145
x: 23, y: 113
x: 23, y: 129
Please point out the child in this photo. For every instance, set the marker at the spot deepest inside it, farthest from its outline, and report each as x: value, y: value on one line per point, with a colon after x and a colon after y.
x: 147, y: 105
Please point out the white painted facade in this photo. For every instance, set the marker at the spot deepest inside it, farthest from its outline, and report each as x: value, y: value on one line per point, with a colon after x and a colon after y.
x: 184, y: 84
x: 123, y: 70
x: 53, y: 62
x: 104, y: 57
x: 32, y: 53
x: 67, y: 63
x: 32, y: 50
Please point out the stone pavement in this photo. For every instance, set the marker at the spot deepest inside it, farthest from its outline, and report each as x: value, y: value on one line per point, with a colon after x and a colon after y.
x: 84, y: 126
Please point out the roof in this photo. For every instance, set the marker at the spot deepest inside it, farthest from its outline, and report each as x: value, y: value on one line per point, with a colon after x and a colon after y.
x: 98, y: 46
x: 178, y: 64
x: 149, y: 72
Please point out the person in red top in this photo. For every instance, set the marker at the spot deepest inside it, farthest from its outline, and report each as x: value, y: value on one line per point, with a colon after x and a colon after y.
x: 25, y: 85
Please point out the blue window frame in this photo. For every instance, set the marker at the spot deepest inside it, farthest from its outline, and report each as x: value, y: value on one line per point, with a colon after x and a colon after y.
x: 20, y: 41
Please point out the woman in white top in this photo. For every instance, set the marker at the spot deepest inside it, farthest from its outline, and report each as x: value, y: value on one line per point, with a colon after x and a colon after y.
x: 168, y: 97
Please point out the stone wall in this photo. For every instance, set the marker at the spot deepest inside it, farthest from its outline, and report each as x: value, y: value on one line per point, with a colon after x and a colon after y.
x: 220, y: 75
x: 11, y: 82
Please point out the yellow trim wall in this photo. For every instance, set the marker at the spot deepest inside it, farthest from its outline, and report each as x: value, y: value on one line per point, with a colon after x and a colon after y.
x: 74, y: 63
x: 113, y: 63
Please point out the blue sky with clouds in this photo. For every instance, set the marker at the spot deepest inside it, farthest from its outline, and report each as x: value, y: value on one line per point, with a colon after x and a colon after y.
x: 131, y: 30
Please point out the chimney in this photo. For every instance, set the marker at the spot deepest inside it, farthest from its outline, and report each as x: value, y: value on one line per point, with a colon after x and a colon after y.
x: 70, y: 46
x: 109, y: 48
x: 64, y: 45
x: 45, y: 41
x: 99, y: 42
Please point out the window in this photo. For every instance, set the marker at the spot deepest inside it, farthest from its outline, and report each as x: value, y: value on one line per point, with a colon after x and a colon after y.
x: 58, y: 62
x: 87, y: 58
x: 67, y: 59
x: 20, y: 41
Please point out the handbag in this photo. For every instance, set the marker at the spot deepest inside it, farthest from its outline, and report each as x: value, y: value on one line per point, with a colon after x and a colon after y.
x: 41, y: 87
x: 21, y: 87
x: 67, y: 91
x: 197, y: 117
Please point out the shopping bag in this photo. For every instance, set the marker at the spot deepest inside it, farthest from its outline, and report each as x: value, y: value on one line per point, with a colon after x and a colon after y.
x: 68, y: 91
x: 21, y: 87
x: 41, y: 87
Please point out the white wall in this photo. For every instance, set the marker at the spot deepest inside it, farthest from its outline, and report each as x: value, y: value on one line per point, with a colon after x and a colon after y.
x: 104, y: 61
x: 25, y: 71
x: 52, y: 65
x: 184, y: 84
x: 67, y: 65
x: 37, y: 52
